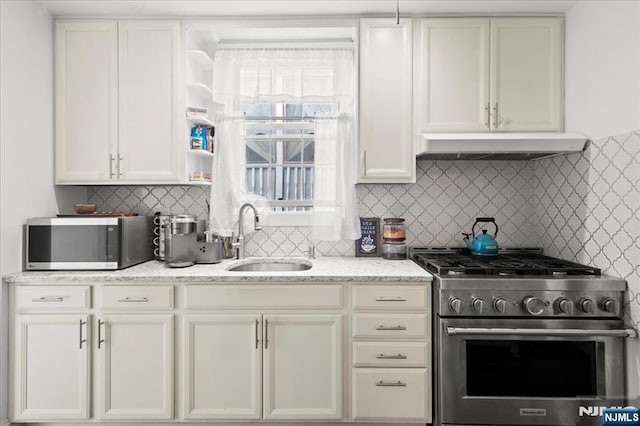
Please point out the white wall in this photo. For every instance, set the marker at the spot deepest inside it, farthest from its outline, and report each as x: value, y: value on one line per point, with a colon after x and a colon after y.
x: 602, y: 82
x: 602, y: 79
x: 26, y: 141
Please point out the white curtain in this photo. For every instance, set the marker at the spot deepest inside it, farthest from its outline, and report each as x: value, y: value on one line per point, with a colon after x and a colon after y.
x: 294, y: 76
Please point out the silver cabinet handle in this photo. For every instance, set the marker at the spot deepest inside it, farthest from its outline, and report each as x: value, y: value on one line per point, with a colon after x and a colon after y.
x: 111, y: 160
x: 257, y: 331
x: 393, y: 384
x: 120, y: 161
x: 566, y: 332
x: 495, y: 119
x: 391, y: 299
x: 488, y: 109
x: 391, y: 327
x: 81, y: 339
x: 48, y: 299
x: 133, y: 299
x: 399, y: 356
x: 100, y: 339
x: 364, y: 163
x: 266, y: 334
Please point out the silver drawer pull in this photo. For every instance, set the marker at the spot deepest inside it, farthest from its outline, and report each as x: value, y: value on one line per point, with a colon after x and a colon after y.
x: 390, y: 327
x: 391, y: 299
x: 134, y: 299
x: 399, y: 356
x: 48, y: 299
x: 396, y: 384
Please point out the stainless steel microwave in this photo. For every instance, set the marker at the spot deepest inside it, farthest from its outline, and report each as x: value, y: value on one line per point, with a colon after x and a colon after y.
x: 87, y: 243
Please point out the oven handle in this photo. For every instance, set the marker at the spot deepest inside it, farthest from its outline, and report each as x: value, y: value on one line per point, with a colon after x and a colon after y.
x: 572, y: 332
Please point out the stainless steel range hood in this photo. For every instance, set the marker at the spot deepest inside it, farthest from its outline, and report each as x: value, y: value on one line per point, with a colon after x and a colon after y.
x: 497, y: 146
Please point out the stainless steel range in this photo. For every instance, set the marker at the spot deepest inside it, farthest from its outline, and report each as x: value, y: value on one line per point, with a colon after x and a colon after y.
x: 524, y: 339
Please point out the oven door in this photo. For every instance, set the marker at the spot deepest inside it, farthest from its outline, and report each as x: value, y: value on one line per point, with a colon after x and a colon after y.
x: 529, y: 372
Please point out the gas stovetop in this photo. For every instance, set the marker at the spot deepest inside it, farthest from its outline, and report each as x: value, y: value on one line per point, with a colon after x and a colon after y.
x: 518, y: 282
x: 508, y: 263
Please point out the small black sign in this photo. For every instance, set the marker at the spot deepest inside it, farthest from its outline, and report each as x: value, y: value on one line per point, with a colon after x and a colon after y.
x: 369, y: 242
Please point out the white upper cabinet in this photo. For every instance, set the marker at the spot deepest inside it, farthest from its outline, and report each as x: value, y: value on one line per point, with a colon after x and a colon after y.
x: 386, y: 153
x: 116, y: 102
x: 453, y: 77
x: 149, y: 144
x: 489, y: 74
x: 526, y: 74
x: 86, y: 99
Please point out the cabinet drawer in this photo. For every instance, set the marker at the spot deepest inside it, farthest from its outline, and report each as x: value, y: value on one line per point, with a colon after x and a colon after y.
x: 122, y: 297
x: 390, y: 297
x: 53, y: 297
x: 263, y: 296
x: 390, y: 393
x: 389, y: 354
x: 395, y: 326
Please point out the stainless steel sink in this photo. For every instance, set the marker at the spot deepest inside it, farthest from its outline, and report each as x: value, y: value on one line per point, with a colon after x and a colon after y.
x: 271, y: 265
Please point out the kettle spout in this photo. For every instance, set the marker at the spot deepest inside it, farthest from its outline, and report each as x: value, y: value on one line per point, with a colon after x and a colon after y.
x: 467, y: 241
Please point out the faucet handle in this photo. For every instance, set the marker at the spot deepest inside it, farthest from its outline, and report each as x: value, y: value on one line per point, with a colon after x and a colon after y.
x: 312, y: 252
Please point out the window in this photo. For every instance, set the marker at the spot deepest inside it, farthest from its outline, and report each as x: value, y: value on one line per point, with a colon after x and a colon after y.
x: 280, y: 152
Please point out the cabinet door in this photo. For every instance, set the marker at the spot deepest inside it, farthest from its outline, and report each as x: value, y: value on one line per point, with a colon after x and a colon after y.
x: 136, y: 366
x: 526, y: 74
x: 51, y: 370
x: 386, y: 153
x: 223, y: 366
x: 453, y: 75
x: 302, y: 367
x: 86, y: 86
x: 148, y: 69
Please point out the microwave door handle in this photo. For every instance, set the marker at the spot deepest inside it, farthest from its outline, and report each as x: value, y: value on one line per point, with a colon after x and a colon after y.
x: 568, y: 332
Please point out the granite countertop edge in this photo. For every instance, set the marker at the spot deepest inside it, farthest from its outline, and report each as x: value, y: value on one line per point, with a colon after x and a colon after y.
x: 324, y: 270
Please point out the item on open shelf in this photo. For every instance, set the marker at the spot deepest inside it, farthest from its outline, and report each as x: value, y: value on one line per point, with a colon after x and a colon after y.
x: 198, y: 137
x: 197, y: 112
x: 211, y: 133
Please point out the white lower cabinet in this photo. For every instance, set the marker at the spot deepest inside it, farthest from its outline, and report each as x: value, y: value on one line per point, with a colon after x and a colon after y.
x: 271, y: 366
x: 51, y: 367
x: 390, y: 393
x: 302, y: 367
x: 223, y: 367
x: 136, y: 366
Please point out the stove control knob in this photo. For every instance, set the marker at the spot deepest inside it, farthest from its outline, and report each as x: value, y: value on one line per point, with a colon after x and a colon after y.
x: 478, y: 304
x: 609, y: 305
x: 586, y: 305
x: 533, y: 305
x: 455, y: 305
x: 500, y: 305
x: 565, y: 306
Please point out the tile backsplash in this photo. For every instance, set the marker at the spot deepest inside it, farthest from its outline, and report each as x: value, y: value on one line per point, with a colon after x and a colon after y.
x: 588, y: 207
x: 583, y: 207
x: 443, y: 203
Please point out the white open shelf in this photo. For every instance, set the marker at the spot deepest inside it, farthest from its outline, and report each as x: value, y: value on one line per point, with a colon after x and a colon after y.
x: 200, y: 153
x: 200, y: 59
x: 202, y: 121
x: 201, y: 90
x: 200, y: 182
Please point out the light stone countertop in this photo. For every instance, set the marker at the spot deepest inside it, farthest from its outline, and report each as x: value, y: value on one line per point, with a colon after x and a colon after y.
x: 325, y: 269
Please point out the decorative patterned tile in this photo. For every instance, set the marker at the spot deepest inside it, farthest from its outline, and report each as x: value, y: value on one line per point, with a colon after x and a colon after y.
x: 583, y: 207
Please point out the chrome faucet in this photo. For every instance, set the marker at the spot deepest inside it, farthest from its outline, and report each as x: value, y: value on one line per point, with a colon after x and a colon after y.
x: 239, y: 243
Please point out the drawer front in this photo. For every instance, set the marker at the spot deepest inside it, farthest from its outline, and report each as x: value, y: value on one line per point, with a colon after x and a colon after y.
x: 53, y: 297
x: 390, y: 393
x: 390, y: 297
x: 390, y: 354
x: 263, y: 296
x: 393, y: 326
x: 131, y: 297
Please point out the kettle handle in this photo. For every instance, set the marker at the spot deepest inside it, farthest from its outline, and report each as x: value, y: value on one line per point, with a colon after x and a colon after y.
x: 484, y: 220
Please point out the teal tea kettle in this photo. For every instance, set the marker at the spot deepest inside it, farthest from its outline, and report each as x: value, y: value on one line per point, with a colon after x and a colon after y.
x: 484, y: 244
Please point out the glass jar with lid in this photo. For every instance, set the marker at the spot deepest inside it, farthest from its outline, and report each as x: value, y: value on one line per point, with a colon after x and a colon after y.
x: 394, y: 229
x: 394, y: 250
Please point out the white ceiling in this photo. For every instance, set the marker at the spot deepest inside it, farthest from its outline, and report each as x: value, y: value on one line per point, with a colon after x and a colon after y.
x: 213, y: 8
